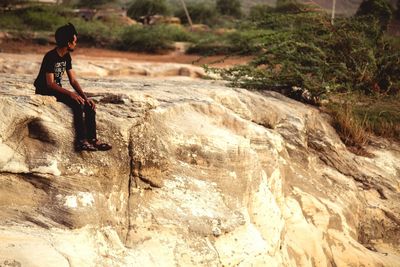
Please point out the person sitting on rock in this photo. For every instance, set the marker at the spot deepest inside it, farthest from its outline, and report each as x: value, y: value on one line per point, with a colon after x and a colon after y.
x: 48, y: 82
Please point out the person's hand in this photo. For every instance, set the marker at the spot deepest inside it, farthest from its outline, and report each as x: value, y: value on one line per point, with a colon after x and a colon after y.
x: 77, y: 98
x: 91, y: 103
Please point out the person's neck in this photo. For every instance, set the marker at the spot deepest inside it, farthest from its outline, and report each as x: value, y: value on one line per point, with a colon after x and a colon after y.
x: 62, y: 51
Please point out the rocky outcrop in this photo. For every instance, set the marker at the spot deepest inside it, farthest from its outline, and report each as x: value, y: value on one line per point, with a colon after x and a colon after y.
x: 101, y: 67
x: 200, y: 174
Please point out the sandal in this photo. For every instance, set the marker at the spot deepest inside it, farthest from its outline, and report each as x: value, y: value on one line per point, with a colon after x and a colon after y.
x: 84, y: 146
x: 100, y: 146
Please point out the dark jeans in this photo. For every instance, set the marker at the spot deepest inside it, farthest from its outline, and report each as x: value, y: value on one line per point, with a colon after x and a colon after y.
x: 84, y: 116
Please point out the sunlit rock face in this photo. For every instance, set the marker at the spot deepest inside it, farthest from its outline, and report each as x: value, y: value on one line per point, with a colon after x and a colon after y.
x: 100, y: 67
x: 200, y: 175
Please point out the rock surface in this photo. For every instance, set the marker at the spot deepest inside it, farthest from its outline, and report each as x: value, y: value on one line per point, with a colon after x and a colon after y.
x: 100, y: 67
x: 200, y: 174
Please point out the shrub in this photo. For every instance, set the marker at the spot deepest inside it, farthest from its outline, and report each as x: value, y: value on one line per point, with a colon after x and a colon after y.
x: 243, y: 42
x: 10, y: 21
x: 379, y: 9
x: 229, y: 7
x: 45, y: 18
x: 93, y: 3
x: 200, y: 12
x: 141, y: 8
x: 153, y: 39
x: 290, y: 6
x: 96, y: 32
x: 177, y: 33
x: 259, y: 12
x: 210, y: 45
x: 304, y: 50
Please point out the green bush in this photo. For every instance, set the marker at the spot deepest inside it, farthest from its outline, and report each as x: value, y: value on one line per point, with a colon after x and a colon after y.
x: 96, y: 32
x: 238, y: 42
x: 289, y: 6
x: 304, y: 50
x: 259, y: 12
x: 10, y: 22
x: 43, y: 20
x: 93, y: 3
x: 229, y: 7
x: 199, y: 13
x: 379, y: 9
x: 210, y: 45
x: 177, y: 33
x: 153, y: 39
x: 141, y: 8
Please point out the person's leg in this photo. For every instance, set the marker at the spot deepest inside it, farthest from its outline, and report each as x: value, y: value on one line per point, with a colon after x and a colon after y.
x: 90, y: 122
x: 77, y: 110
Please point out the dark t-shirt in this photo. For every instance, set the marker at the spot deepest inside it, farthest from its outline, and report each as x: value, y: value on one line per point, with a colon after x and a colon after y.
x: 52, y: 63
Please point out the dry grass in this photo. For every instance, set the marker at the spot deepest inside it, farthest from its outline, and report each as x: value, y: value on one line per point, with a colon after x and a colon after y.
x: 352, y: 131
x: 356, y: 117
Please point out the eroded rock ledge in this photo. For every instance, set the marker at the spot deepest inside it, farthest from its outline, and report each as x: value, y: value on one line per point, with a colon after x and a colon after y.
x: 200, y: 174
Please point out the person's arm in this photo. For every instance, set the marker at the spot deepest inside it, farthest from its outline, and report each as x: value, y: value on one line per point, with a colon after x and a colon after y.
x: 53, y: 85
x: 75, y: 84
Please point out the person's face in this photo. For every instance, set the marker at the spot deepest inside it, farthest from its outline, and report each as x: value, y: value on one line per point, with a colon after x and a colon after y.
x: 71, y: 45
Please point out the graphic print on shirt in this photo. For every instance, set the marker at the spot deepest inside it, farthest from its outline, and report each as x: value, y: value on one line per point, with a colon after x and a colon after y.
x: 59, y: 69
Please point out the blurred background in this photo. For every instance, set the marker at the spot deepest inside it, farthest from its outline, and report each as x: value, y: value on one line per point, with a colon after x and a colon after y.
x: 208, y: 25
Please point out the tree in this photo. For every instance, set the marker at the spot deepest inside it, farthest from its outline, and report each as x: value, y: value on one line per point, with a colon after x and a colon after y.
x: 398, y: 9
x: 141, y: 8
x: 379, y: 9
x: 230, y: 7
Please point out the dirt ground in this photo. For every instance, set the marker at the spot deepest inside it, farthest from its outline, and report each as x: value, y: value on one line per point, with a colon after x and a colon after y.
x: 20, y: 47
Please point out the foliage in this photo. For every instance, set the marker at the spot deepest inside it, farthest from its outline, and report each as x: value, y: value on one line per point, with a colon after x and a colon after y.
x: 229, y: 7
x: 378, y: 9
x: 9, y: 21
x: 199, y: 13
x: 259, y: 12
x: 392, y: 40
x: 303, y: 50
x: 96, y: 32
x: 398, y: 9
x: 154, y: 39
x: 289, y: 6
x: 241, y: 42
x: 350, y: 128
x: 175, y: 33
x: 141, y: 8
x: 93, y: 3
x: 49, y: 18
x: 45, y: 18
x: 355, y: 116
